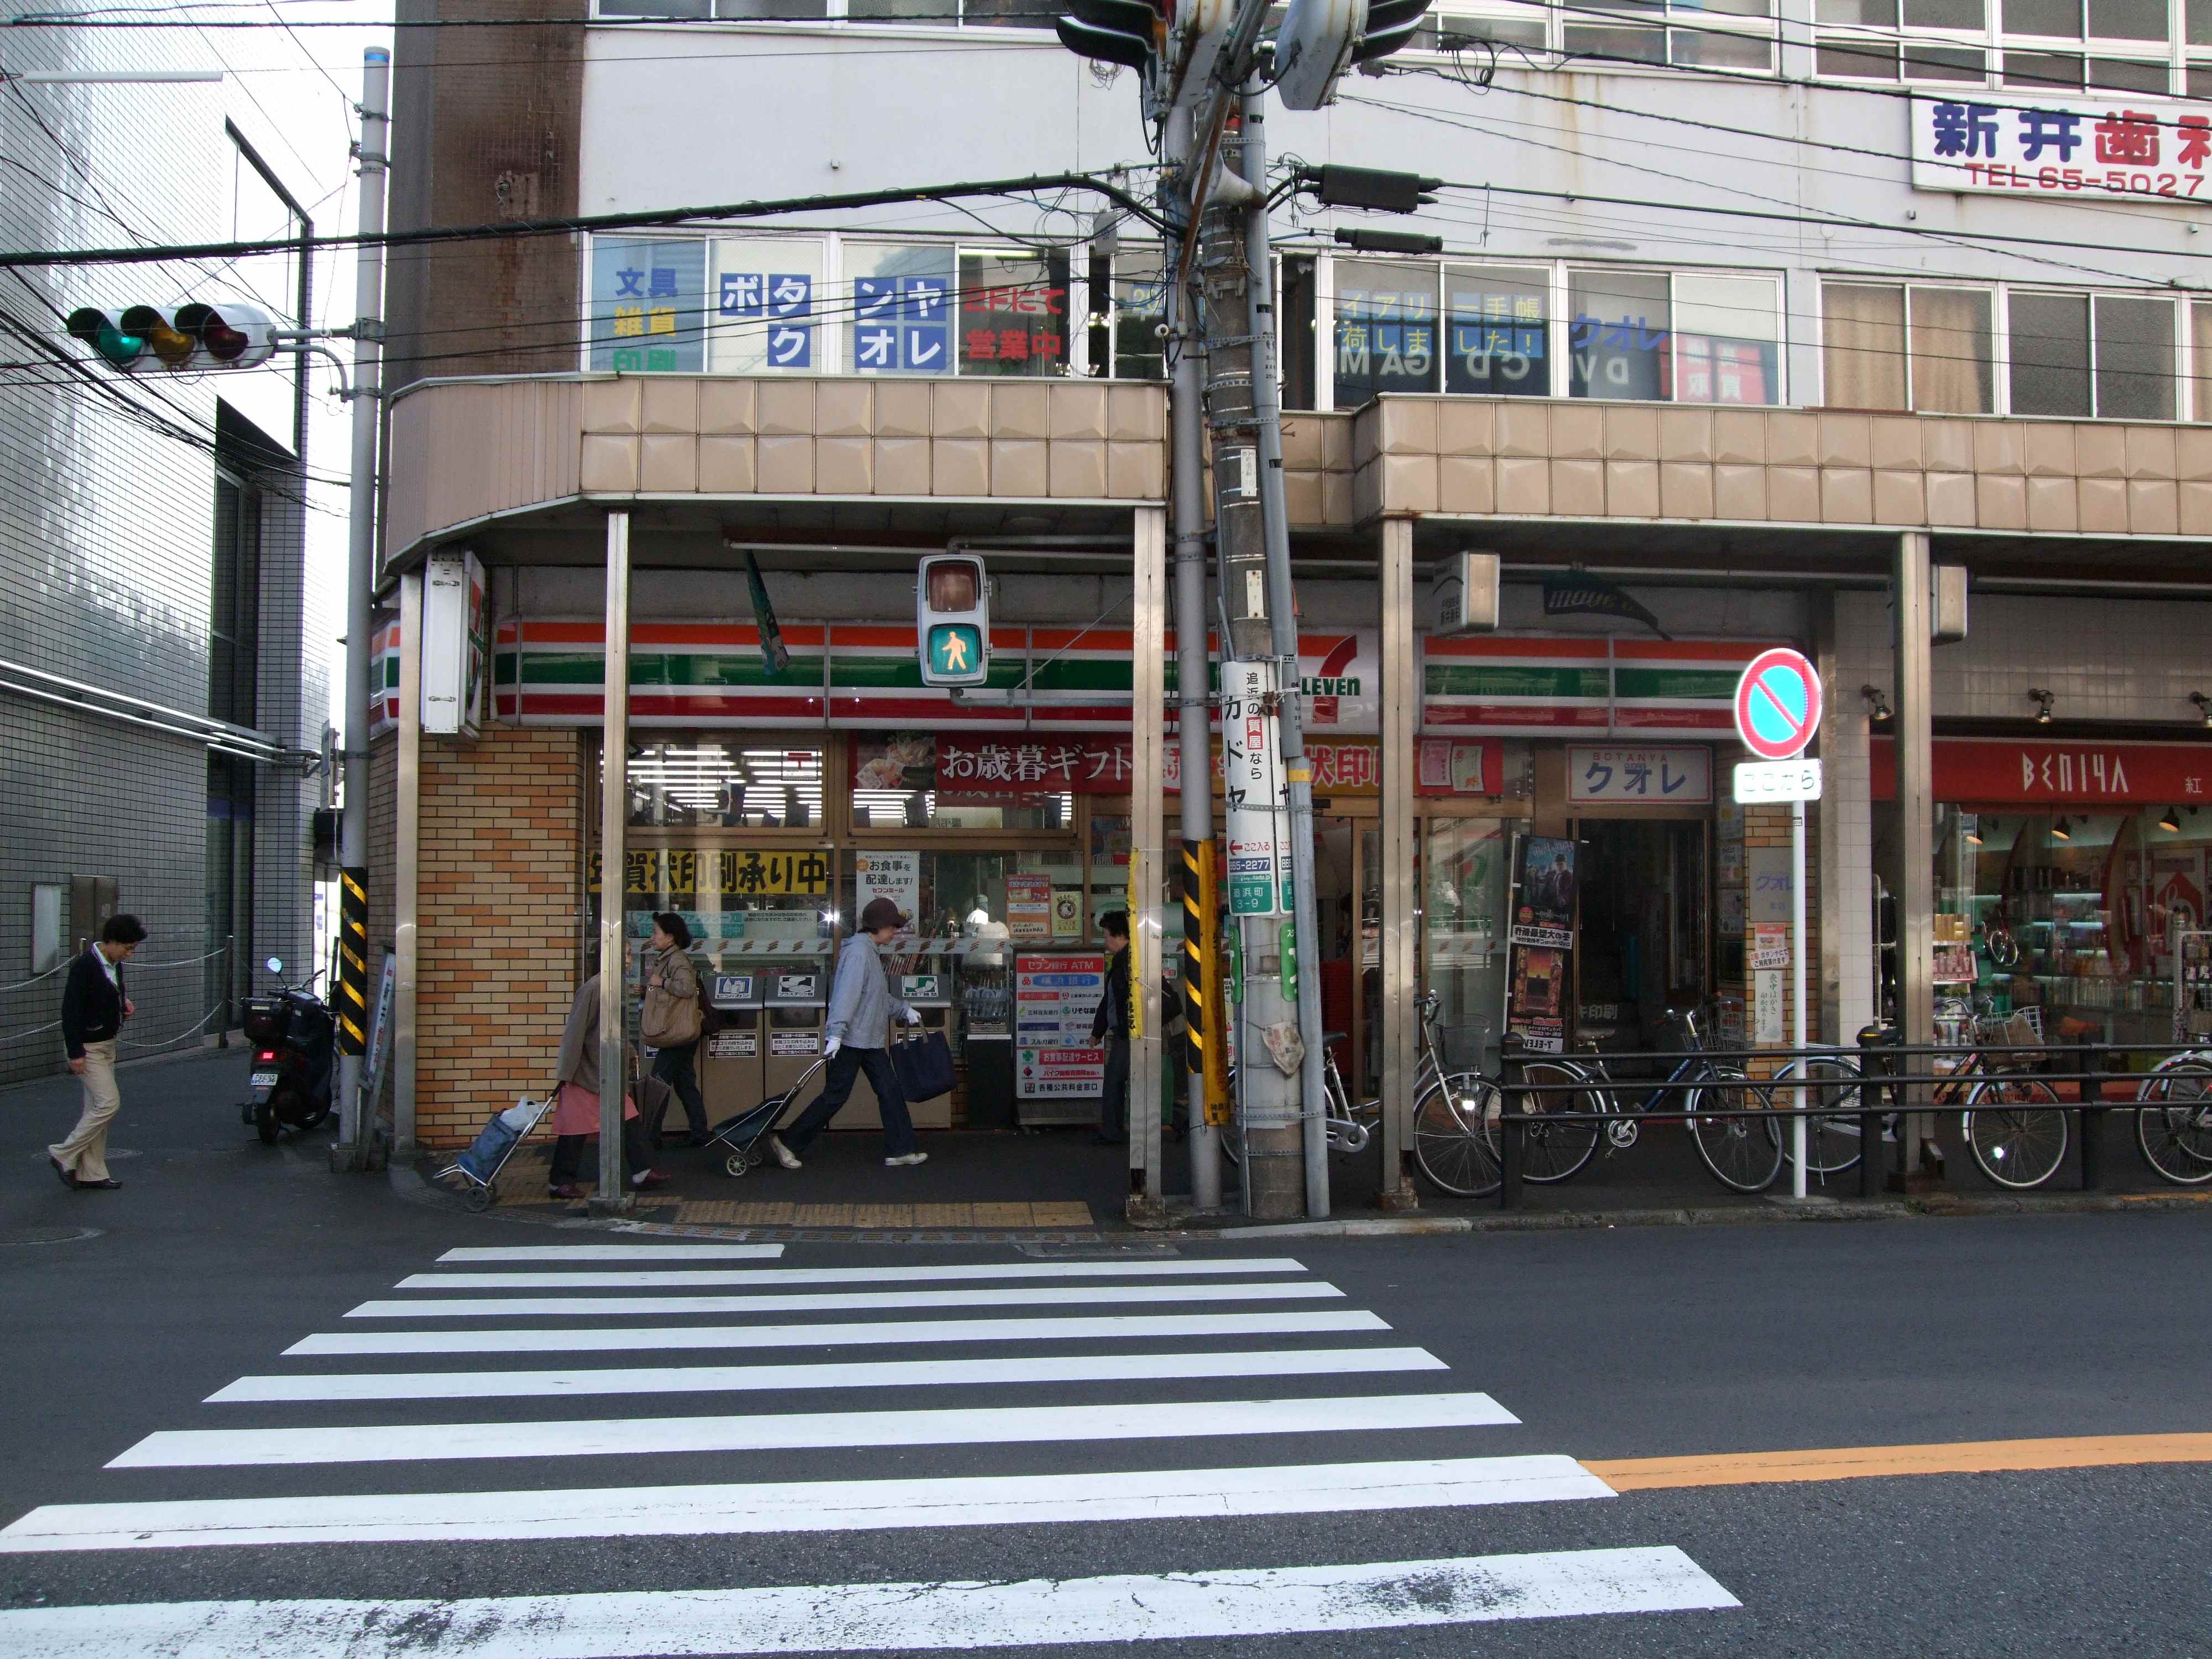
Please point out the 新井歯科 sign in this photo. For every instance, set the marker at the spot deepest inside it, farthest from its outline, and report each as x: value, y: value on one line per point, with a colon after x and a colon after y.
x: 2060, y: 149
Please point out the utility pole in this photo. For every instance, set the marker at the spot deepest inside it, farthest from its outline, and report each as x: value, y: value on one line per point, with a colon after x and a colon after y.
x: 357, y: 1117
x: 1203, y: 1006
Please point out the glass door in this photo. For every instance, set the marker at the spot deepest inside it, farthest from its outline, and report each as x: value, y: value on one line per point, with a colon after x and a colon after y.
x: 1467, y: 868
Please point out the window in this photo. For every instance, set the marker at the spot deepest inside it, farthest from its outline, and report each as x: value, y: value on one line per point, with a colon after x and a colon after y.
x: 696, y: 780
x: 1951, y: 41
x: 902, y: 309
x: 2200, y: 342
x: 1013, y: 314
x: 1497, y: 339
x: 767, y: 295
x: 1743, y: 40
x: 1386, y: 328
x: 2103, y: 355
x: 1893, y: 346
x: 1655, y: 337
x: 1139, y: 307
x: 648, y: 305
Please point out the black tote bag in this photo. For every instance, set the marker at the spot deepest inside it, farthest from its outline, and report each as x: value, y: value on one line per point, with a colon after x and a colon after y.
x: 924, y: 1064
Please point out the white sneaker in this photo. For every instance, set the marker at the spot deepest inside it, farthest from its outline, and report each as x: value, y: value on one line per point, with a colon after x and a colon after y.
x: 784, y: 1155
x: 911, y: 1158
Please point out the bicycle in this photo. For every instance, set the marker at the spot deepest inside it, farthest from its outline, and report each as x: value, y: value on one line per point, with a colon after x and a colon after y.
x: 2014, y: 1127
x: 1743, y: 1153
x: 2173, y: 1118
x: 1347, y: 1128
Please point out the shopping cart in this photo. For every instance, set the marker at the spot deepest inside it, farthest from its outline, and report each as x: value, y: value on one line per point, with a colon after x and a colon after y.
x: 743, y: 1133
x: 494, y: 1144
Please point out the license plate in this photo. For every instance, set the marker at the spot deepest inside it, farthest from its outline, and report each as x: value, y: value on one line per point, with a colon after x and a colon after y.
x: 262, y: 1080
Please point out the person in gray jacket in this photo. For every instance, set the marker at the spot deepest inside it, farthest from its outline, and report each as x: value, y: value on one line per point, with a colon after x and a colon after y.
x: 857, y: 1036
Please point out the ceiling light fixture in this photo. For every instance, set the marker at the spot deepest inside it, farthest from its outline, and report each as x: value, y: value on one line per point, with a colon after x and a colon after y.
x: 2060, y: 832
x: 2170, y: 820
x: 2203, y: 705
x: 2043, y: 701
x: 1877, y: 702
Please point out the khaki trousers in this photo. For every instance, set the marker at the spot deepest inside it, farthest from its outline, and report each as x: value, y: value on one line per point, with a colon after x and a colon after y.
x: 84, y: 1154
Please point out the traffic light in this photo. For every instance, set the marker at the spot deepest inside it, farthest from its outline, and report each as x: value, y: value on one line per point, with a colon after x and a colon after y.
x: 1126, y: 32
x: 1320, y: 40
x: 185, y: 338
x: 952, y: 619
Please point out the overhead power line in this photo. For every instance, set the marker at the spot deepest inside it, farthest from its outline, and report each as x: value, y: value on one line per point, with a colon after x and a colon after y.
x: 502, y: 230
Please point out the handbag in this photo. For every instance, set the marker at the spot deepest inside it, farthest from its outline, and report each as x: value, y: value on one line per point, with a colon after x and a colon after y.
x: 924, y: 1064
x: 665, y: 1020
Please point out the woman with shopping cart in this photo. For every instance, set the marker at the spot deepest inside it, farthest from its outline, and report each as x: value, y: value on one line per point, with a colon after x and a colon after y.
x: 576, y: 1112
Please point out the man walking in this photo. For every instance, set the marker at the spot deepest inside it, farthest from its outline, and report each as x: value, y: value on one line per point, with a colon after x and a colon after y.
x: 94, y: 1007
x: 858, y: 1033
x: 1111, y: 1025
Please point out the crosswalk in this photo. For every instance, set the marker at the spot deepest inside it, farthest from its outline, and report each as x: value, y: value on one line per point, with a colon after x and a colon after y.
x: 1259, y: 1355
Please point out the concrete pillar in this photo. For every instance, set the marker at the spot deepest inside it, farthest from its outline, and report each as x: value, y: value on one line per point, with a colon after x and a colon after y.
x: 1401, y: 924
x: 1916, y: 808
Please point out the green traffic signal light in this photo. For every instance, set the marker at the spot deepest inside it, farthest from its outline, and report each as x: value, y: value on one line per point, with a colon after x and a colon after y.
x: 105, y: 335
x: 955, y: 651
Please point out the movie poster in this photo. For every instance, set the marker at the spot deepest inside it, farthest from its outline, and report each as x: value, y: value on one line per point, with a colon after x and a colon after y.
x: 1540, y: 938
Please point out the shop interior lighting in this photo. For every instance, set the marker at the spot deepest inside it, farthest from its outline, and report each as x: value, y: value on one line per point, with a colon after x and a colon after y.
x: 2170, y: 820
x: 2059, y: 832
x: 2043, y: 701
x: 2203, y: 705
x: 1877, y: 702
x: 1974, y: 832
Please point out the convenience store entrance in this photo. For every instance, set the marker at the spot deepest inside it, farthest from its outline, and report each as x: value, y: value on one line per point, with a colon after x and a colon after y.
x: 1644, y: 929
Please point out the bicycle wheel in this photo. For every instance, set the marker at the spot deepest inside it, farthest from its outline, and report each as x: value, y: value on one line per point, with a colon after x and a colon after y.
x: 1744, y: 1153
x: 2016, y: 1130
x: 1556, y: 1151
x: 1454, y: 1139
x: 2173, y: 1124
x: 1832, y: 1144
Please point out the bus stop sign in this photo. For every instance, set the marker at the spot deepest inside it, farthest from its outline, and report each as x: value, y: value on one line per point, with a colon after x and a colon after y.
x: 1778, y: 705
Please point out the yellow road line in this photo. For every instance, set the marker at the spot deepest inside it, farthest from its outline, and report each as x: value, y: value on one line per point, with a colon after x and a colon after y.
x: 1854, y: 1462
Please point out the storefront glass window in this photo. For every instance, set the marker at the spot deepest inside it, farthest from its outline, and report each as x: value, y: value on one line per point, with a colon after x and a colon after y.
x: 898, y: 784
x: 767, y: 306
x: 2079, y: 917
x: 1469, y: 863
x: 1498, y: 339
x: 902, y: 309
x: 1013, y: 314
x: 648, y: 305
x: 1386, y: 330
x: 1139, y: 308
x: 698, y: 780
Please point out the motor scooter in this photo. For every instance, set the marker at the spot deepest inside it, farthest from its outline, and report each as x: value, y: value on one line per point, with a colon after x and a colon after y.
x: 294, y: 1035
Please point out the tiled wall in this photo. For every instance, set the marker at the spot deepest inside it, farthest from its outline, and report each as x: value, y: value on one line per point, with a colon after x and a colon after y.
x: 500, y: 822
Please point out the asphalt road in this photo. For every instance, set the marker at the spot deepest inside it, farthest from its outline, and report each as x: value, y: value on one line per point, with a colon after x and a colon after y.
x: 220, y: 1255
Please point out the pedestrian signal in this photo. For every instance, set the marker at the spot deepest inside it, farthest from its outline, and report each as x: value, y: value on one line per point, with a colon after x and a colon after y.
x: 953, y: 620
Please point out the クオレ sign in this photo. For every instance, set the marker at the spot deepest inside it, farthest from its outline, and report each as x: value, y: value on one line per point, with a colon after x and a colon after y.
x: 1635, y: 774
x: 2057, y: 150
x: 1777, y: 704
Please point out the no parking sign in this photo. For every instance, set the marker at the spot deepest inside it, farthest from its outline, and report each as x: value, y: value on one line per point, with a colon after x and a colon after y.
x: 1777, y: 704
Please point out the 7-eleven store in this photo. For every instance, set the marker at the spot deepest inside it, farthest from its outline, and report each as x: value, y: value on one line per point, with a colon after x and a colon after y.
x: 767, y: 807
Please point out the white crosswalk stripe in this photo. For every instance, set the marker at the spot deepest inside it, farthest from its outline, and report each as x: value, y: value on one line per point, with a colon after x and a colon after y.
x: 630, y: 1301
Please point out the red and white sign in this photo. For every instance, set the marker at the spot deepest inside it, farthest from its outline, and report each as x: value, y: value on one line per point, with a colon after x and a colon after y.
x: 2030, y: 772
x: 1459, y: 766
x: 1777, y: 704
x: 1028, y: 905
x: 2056, y: 150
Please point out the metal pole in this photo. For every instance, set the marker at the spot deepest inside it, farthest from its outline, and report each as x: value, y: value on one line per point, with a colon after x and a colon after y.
x: 614, y: 818
x: 1400, y: 715
x: 1147, y: 856
x: 407, y: 865
x: 1797, y: 986
x: 1186, y: 439
x: 356, y: 1117
x: 1915, y: 814
x: 1283, y: 618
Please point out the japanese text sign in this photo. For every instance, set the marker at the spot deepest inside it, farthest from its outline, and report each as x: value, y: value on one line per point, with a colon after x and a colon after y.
x: 1617, y: 775
x: 2121, y: 145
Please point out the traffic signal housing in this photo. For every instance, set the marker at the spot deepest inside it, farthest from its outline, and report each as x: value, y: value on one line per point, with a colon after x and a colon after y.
x: 1126, y: 32
x: 183, y: 339
x: 1319, y: 40
x: 953, y: 620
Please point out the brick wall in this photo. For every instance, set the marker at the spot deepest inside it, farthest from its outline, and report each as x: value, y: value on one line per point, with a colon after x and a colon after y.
x: 499, y: 824
x: 383, y: 863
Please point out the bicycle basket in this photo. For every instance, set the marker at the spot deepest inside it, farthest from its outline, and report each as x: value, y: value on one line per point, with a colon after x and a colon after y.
x: 2012, y: 1043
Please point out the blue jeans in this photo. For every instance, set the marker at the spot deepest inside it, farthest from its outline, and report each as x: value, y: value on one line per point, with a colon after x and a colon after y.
x: 837, y: 1087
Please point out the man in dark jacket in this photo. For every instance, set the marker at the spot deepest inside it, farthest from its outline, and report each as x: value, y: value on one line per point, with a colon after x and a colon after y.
x: 1111, y: 1025
x: 94, y: 1007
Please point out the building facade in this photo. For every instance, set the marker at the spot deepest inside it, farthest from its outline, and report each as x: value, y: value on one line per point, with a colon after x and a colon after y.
x: 165, y: 656
x: 1752, y: 317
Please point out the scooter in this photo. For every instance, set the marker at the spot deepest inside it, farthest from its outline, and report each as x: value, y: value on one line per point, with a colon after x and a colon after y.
x: 294, y: 1036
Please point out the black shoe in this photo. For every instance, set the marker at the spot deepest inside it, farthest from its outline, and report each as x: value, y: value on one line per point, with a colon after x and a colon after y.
x: 68, y: 1180
x: 110, y: 1185
x: 698, y: 1137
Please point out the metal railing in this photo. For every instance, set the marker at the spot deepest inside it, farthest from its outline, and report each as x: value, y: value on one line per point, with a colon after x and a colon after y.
x: 1884, y: 1089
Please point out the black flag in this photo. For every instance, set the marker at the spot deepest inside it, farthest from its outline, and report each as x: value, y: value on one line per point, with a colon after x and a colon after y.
x: 1579, y: 590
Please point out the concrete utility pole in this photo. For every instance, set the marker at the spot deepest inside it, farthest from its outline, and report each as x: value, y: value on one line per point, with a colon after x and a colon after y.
x: 357, y: 1116
x: 1283, y: 616
x: 1201, y: 1001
